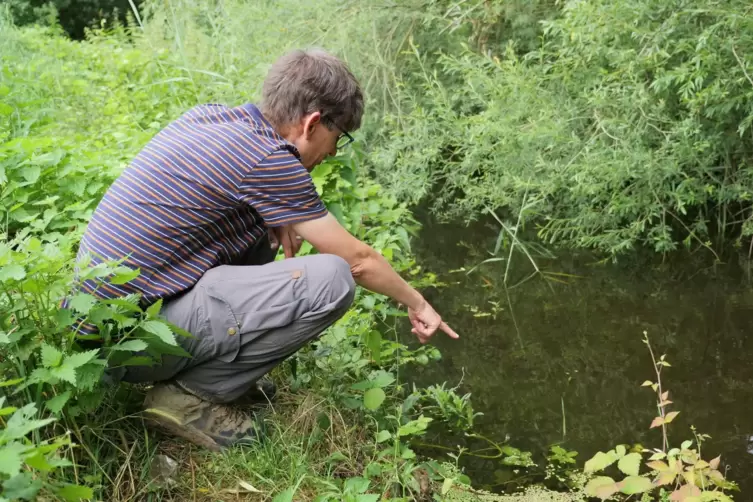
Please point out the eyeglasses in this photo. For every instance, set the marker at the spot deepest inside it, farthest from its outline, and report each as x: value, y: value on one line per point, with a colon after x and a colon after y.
x: 343, y: 139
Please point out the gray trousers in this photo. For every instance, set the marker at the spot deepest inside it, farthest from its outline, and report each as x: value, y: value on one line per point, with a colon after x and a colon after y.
x: 247, y: 318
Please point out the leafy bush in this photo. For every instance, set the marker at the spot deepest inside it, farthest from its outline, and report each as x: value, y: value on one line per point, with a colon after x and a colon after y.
x: 674, y: 473
x: 629, y: 126
x: 72, y: 115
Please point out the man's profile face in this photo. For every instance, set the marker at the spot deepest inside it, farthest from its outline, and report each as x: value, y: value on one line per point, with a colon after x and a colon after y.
x: 317, y: 142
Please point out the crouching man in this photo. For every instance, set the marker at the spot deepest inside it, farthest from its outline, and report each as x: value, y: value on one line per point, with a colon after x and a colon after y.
x: 201, y: 211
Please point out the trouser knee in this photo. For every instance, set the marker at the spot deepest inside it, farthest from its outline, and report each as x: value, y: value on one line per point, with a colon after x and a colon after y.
x: 331, y: 284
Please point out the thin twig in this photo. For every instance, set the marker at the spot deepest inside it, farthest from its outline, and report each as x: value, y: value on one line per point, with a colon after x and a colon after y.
x: 742, y: 66
x: 694, y: 235
x: 514, y: 321
x: 657, y: 369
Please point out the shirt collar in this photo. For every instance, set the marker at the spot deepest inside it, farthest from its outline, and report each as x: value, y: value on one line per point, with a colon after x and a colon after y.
x: 254, y: 111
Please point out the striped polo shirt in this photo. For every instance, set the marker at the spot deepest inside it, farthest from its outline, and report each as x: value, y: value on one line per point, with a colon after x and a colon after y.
x: 199, y: 195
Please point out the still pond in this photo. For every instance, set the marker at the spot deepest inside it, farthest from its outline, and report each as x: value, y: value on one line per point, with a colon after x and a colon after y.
x: 561, y: 361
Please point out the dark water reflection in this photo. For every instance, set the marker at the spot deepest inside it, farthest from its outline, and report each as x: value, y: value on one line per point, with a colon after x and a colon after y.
x: 578, y: 345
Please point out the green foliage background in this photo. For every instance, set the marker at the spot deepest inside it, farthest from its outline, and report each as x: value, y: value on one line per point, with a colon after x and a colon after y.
x: 72, y: 115
x: 626, y: 125
x: 614, y: 126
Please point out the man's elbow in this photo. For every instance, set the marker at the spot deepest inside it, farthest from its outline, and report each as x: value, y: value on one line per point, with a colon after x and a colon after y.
x: 362, y: 261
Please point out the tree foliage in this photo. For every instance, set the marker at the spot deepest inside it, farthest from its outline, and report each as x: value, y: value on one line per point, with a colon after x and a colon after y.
x: 74, y: 16
x: 628, y: 126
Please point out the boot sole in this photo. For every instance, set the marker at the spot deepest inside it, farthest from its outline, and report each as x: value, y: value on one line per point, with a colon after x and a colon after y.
x: 168, y: 425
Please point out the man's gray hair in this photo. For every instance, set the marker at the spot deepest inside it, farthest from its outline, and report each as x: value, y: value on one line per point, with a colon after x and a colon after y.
x: 303, y: 82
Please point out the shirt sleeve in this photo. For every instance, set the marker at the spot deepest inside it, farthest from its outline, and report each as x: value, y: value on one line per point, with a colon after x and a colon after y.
x: 281, y: 190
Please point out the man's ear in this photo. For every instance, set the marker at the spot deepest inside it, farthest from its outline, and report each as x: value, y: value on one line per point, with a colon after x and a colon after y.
x: 310, y: 123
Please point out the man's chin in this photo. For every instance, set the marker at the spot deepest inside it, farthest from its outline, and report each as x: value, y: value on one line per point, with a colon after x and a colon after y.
x: 311, y: 165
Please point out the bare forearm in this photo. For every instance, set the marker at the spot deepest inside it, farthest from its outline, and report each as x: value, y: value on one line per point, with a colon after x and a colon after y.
x: 368, y: 267
x: 374, y: 273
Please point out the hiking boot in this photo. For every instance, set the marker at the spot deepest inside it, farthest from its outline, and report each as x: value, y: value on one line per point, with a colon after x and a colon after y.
x: 212, y: 426
x: 261, y: 392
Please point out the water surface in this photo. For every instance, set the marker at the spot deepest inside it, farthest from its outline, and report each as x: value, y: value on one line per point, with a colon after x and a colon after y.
x: 570, y: 372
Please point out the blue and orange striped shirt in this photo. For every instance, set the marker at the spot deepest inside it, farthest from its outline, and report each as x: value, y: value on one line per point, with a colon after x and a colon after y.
x: 199, y: 195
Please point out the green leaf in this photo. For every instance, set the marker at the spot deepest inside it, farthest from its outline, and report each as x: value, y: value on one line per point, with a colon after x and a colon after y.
x: 363, y: 385
x: 383, y: 379
x: 160, y: 330
x: 82, y: 302
x: 89, y: 376
x: 414, y: 427
x: 620, y: 450
x: 128, y: 306
x: 22, y: 486
x: 80, y: 358
x: 373, y: 398
x: 65, y: 373
x: 101, y: 313
x: 74, y: 493
x: 380, y: 379
x: 6, y: 109
x: 630, y: 464
x: 337, y: 456
x: 8, y: 383
x: 10, y: 458
x: 13, y: 271
x: 602, y: 487
x: 367, y: 497
x: 447, y: 485
x: 373, y: 469
x: 155, y: 308
x: 56, y: 404
x: 138, y: 361
x: 383, y: 436
x: 38, y: 375
x: 124, y: 275
x: 368, y: 302
x: 670, y: 416
x: 177, y: 330
x: 51, y: 356
x: 635, y: 484
x: 131, y: 345
x: 373, y: 341
x: 39, y: 462
x: 21, y: 423
x: 357, y: 485
x: 31, y: 173
x: 64, y: 318
x: 286, y: 496
x: 600, y: 461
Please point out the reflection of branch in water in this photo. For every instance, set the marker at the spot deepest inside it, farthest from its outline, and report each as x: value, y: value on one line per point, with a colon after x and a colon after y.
x: 515, y: 242
x: 476, y: 453
x: 514, y: 321
x: 514, y: 236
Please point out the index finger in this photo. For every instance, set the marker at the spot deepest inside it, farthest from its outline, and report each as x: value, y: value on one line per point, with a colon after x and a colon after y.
x: 450, y: 332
